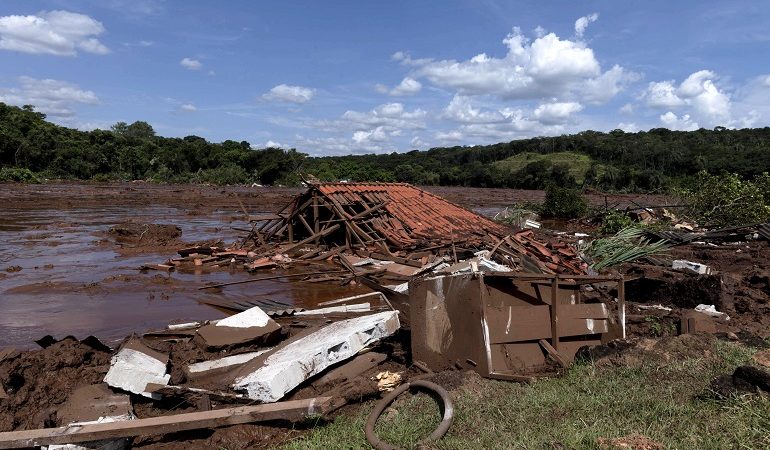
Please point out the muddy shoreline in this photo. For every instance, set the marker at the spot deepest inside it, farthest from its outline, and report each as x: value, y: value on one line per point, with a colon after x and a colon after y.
x: 204, y: 198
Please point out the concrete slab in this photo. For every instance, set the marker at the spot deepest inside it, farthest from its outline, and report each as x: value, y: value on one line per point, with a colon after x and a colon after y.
x: 252, y: 326
x: 214, y: 367
x: 270, y: 377
x: 134, y: 366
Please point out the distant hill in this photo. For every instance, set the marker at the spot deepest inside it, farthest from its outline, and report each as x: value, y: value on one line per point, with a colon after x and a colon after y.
x: 643, y: 161
x: 576, y: 164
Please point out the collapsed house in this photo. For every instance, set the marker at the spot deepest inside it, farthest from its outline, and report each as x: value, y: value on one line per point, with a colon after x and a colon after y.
x: 525, y: 294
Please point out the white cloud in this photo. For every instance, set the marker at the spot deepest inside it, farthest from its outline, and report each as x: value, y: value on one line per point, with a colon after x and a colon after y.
x: 628, y: 108
x: 60, y: 33
x: 449, y: 136
x: 698, y: 93
x: 291, y: 94
x: 556, y: 112
x: 582, y: 23
x: 52, y: 97
x: 662, y: 94
x: 188, y: 107
x: 674, y: 122
x: 191, y: 64
x: 417, y: 143
x: 461, y: 110
x: 408, y: 86
x: 546, y: 67
x: 378, y: 134
x: 274, y: 144
x: 607, y: 85
x: 628, y: 127
x: 391, y: 115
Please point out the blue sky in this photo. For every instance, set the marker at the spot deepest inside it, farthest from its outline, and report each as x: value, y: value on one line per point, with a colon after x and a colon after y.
x: 348, y: 77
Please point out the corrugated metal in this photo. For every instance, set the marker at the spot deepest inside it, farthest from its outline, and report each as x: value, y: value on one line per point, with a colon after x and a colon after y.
x: 414, y: 214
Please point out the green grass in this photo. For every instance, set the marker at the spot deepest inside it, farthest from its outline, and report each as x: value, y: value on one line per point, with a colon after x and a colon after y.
x: 659, y: 400
x: 578, y: 163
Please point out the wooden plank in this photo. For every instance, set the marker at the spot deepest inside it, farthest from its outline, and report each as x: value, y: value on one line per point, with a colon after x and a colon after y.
x: 532, y: 323
x: 555, y: 313
x: 552, y: 352
x: 289, y: 410
x: 584, y: 311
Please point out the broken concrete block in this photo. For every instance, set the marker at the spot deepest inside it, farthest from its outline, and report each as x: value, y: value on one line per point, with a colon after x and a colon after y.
x: 95, y: 404
x: 136, y: 365
x: 252, y: 326
x: 92, y: 402
x: 698, y: 268
x: 271, y: 376
x: 218, y: 366
x: 351, y: 369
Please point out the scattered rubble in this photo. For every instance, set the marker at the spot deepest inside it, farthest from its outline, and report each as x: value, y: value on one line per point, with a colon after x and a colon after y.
x: 135, y: 366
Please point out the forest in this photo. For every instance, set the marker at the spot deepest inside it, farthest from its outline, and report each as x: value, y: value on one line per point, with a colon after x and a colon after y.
x: 32, y: 148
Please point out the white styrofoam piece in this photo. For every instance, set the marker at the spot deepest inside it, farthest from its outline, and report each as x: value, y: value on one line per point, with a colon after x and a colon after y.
x: 359, y: 307
x: 227, y: 361
x: 711, y: 310
x: 131, y: 370
x: 184, y: 326
x: 402, y: 288
x: 116, y: 444
x: 699, y: 268
x: 252, y: 317
x: 289, y: 366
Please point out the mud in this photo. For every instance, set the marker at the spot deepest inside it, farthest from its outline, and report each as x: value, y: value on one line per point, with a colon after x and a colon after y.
x: 638, y: 351
x: 39, y: 382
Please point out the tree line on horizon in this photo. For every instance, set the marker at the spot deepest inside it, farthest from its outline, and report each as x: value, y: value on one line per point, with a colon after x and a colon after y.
x: 644, y: 161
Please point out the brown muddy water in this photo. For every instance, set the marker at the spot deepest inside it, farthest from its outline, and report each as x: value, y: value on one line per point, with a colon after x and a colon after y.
x: 58, y: 276
x: 71, y: 283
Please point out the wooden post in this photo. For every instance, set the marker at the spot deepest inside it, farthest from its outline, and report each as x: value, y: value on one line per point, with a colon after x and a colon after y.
x: 622, y: 306
x: 555, y: 312
x: 316, y: 219
x: 291, y: 231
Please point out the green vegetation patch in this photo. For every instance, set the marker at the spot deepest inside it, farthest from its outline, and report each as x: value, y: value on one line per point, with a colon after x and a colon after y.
x: 577, y: 165
x: 661, y: 399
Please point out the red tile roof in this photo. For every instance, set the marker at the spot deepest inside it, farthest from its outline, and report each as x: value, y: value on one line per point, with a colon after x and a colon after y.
x: 413, y: 214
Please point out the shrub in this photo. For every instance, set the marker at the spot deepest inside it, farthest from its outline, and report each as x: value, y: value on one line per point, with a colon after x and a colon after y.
x: 727, y: 200
x: 563, y: 203
x: 614, y: 221
x: 225, y: 174
x: 18, y: 175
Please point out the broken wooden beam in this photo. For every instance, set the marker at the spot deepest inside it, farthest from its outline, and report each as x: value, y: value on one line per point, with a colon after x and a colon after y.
x: 292, y: 410
x: 276, y: 277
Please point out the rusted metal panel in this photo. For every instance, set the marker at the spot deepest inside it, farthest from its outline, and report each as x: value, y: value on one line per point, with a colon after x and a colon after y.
x: 447, y: 322
x: 493, y: 324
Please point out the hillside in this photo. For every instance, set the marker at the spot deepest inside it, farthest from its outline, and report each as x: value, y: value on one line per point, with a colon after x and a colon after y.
x: 643, y: 161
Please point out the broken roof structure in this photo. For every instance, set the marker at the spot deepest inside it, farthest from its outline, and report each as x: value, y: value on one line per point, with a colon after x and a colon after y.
x: 404, y: 223
x: 398, y: 214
